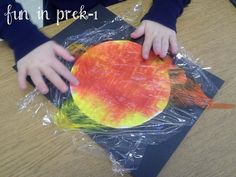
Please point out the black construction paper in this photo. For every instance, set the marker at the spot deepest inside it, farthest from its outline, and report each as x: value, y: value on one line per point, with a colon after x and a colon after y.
x: 154, y: 156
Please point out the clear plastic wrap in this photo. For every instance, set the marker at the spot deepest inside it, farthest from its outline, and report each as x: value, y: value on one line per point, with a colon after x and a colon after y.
x: 158, y: 106
x: 126, y: 146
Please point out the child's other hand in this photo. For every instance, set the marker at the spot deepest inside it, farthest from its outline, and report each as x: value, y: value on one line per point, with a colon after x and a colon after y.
x: 158, y: 37
x: 41, y: 62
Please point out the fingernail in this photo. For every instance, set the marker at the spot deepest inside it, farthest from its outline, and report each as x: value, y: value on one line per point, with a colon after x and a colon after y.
x: 44, y: 91
x: 64, y: 89
x: 76, y: 82
x: 162, y: 56
x: 23, y: 87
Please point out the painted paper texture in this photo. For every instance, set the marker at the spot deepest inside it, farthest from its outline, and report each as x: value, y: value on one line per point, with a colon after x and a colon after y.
x: 119, y: 89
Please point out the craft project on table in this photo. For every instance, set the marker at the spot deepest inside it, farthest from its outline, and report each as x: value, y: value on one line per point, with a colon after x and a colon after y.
x: 138, y: 111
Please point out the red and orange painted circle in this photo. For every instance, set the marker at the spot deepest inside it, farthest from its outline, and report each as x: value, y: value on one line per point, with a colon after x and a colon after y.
x: 118, y: 88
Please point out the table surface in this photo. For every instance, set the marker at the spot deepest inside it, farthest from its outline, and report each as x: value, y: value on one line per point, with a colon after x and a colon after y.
x: 27, y: 148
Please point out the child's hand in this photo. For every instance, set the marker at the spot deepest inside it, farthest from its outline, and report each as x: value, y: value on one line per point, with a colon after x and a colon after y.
x: 158, y: 37
x: 41, y: 62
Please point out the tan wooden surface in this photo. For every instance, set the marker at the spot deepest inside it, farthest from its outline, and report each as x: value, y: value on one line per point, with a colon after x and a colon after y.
x: 27, y: 148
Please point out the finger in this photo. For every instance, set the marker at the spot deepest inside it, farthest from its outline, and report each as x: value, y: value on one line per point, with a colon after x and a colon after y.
x: 157, y: 45
x: 164, y: 46
x: 38, y: 81
x: 64, y: 72
x: 147, y: 46
x: 173, y: 44
x: 62, y: 52
x: 139, y: 31
x: 54, y: 78
x: 22, y: 74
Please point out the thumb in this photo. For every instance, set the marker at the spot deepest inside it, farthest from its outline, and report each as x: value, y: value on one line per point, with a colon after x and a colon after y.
x: 62, y: 52
x: 138, y: 32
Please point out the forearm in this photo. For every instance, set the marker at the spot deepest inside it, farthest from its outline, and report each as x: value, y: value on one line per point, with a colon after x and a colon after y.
x: 21, y: 34
x: 166, y: 12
